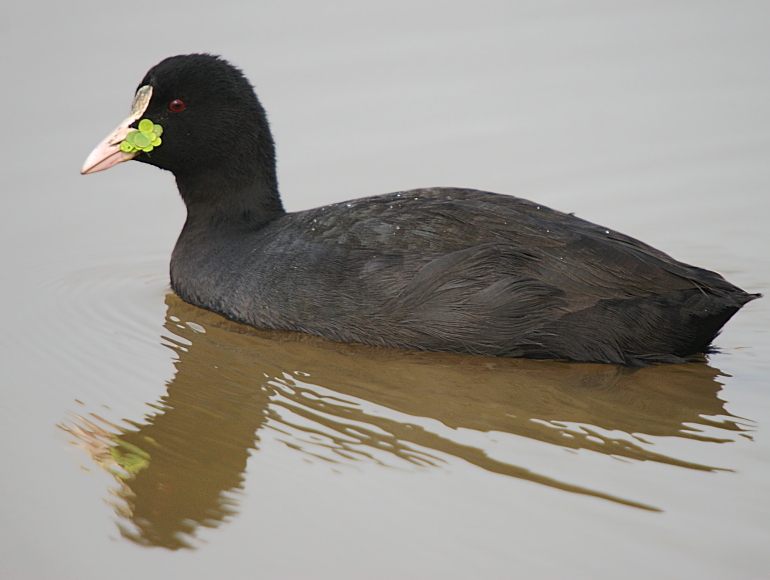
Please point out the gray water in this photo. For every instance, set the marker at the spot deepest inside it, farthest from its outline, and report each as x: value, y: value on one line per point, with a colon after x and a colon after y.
x: 143, y: 437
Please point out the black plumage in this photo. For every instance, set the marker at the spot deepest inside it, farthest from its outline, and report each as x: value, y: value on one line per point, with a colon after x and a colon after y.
x: 439, y: 269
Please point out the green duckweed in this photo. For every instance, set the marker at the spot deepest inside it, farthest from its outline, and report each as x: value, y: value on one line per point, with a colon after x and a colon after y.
x: 130, y: 457
x: 145, y: 139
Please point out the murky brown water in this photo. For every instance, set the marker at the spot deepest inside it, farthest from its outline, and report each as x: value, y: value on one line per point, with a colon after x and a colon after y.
x: 143, y: 437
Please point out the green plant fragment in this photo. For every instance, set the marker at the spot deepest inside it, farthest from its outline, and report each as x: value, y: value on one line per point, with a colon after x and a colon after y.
x: 141, y: 140
x: 145, y: 139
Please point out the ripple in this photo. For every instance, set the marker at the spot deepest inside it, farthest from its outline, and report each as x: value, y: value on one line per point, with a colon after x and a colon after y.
x: 90, y: 321
x: 109, y: 293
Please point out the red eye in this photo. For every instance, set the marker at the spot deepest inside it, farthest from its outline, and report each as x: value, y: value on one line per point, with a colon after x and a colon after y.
x: 176, y: 106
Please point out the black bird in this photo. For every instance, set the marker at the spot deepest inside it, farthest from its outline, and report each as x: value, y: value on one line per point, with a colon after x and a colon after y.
x: 439, y: 269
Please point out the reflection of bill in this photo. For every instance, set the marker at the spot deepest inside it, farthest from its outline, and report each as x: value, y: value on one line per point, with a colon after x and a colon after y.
x: 184, y: 465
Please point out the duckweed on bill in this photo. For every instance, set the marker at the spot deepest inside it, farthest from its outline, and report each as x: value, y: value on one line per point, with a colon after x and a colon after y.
x: 145, y: 139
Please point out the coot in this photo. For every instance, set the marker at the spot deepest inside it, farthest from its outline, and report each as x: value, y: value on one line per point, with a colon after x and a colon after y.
x: 439, y: 269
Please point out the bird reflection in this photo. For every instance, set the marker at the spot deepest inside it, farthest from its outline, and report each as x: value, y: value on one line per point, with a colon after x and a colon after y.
x: 183, y: 466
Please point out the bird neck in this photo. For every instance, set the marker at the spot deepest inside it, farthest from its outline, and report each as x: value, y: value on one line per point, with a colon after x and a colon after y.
x: 217, y: 200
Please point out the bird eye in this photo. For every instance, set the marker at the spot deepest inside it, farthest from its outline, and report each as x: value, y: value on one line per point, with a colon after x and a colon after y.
x: 176, y: 106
